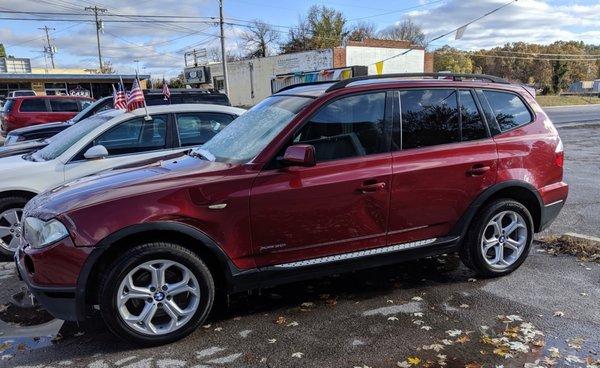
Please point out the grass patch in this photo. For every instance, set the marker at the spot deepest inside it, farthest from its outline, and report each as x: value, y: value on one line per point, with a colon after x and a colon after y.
x: 546, y: 101
x: 583, y: 250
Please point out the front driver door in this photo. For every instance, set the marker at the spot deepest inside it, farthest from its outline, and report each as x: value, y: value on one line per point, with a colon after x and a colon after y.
x: 128, y: 142
x: 341, y: 204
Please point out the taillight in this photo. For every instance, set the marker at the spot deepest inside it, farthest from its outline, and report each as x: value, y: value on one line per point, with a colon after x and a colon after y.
x: 559, y: 157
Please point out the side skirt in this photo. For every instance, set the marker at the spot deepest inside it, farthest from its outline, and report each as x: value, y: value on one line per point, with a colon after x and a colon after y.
x: 341, y: 263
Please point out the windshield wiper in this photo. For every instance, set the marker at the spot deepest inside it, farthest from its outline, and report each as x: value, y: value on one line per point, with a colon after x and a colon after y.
x: 203, y: 154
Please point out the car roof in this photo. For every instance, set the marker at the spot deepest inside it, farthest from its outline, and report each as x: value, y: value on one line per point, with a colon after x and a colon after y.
x: 316, y: 89
x: 164, y: 109
x: 51, y: 97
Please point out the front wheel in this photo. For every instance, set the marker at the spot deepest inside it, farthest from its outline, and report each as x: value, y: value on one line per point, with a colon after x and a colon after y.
x: 499, y: 238
x: 156, y: 293
x: 11, y: 212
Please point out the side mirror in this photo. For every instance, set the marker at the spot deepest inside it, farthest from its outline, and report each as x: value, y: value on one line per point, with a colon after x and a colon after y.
x: 300, y: 155
x: 96, y: 152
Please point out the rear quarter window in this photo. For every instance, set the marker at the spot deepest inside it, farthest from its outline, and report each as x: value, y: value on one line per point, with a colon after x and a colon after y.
x: 509, y: 109
x: 60, y: 105
x: 33, y: 105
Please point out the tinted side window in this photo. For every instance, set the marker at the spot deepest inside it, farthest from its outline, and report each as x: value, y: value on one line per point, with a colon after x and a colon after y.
x: 33, y: 105
x: 429, y: 117
x: 348, y: 127
x: 64, y: 105
x: 509, y: 109
x: 472, y: 126
x: 135, y: 136
x: 199, y: 127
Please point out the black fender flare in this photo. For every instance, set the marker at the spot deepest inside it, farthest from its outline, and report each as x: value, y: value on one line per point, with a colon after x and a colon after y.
x: 462, y: 225
x: 172, y: 226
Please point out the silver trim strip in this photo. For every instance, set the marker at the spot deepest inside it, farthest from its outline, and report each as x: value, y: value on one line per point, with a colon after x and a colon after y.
x: 358, y: 254
x: 553, y: 203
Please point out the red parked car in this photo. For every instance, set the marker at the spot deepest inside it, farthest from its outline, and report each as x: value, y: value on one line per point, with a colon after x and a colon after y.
x: 24, y: 111
x: 316, y: 179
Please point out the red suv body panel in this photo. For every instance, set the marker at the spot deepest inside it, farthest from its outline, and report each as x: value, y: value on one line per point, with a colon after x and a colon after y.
x: 254, y: 219
x: 16, y: 118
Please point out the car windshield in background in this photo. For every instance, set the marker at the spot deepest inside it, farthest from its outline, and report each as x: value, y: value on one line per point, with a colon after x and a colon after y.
x: 90, y: 106
x: 250, y: 133
x: 65, y: 139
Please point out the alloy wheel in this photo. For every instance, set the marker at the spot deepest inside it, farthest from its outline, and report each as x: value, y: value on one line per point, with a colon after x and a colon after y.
x: 504, y: 239
x: 158, y: 297
x: 10, y: 228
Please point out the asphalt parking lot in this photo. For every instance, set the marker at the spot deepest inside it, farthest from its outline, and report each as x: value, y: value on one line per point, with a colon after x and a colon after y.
x: 432, y: 312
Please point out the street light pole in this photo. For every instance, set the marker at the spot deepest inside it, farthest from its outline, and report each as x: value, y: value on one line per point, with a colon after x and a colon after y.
x: 50, y: 49
x: 223, y: 53
x: 97, y: 10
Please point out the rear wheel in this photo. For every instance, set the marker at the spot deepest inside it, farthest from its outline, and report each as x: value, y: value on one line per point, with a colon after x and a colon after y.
x: 156, y: 293
x: 11, y: 213
x: 499, y: 238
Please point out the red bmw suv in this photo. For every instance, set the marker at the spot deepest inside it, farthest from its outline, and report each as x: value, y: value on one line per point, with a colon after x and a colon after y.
x: 317, y: 179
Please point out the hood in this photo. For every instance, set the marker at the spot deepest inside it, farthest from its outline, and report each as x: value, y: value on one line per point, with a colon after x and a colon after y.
x: 19, y: 149
x: 33, y: 128
x: 11, y: 166
x: 111, y: 185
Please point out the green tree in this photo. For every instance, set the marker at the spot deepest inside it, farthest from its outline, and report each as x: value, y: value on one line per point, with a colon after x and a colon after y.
x: 450, y: 59
x: 322, y: 28
x: 2, y: 50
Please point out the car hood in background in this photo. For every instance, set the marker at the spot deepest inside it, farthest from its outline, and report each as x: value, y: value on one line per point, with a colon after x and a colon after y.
x: 21, y: 148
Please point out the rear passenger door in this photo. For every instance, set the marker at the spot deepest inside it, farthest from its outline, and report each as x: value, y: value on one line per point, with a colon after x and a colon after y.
x: 444, y: 157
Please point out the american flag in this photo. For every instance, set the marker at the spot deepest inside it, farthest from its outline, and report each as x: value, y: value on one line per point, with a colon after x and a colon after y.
x: 119, y: 99
x: 135, y: 98
x: 165, y: 90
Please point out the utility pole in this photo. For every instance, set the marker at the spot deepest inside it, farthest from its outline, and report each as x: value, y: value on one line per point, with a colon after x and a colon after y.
x: 223, y: 56
x: 50, y: 50
x: 97, y: 10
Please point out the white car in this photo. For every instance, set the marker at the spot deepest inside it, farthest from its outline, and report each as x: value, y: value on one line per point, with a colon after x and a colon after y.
x: 104, y: 141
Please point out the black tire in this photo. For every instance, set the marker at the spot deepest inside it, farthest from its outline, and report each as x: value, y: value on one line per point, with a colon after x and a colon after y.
x: 7, y: 203
x: 470, y: 250
x: 144, y: 253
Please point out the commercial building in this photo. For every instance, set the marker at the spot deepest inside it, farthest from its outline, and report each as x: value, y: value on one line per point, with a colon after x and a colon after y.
x: 17, y: 74
x: 252, y: 80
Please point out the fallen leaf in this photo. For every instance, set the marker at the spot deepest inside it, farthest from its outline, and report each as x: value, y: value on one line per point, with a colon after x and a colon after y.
x: 417, y: 298
x: 575, y: 343
x: 453, y: 333
x: 418, y: 322
x: 297, y: 355
x: 463, y: 339
x: 392, y: 318
x: 574, y: 359
x: 307, y: 305
x: 403, y: 364
x: 436, y: 347
x: 447, y: 342
x: 280, y: 320
x: 559, y: 314
x: 473, y: 365
x: 464, y: 306
x: 272, y: 341
x: 426, y: 328
x: 292, y: 324
x: 413, y: 360
x: 554, y: 352
x: 219, y: 329
x: 418, y: 314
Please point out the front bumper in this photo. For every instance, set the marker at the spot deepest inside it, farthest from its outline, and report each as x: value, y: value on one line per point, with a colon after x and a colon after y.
x: 58, y: 301
x: 51, y: 275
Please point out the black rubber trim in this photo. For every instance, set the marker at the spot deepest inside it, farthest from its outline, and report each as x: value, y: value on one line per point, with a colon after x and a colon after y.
x: 272, y: 276
x: 462, y: 225
x: 549, y: 213
x: 58, y: 301
x: 84, y: 275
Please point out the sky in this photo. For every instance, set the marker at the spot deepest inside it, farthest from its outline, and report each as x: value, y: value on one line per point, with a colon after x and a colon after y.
x: 158, y: 46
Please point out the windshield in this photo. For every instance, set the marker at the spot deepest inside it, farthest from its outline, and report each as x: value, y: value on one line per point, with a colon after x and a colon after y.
x: 65, y: 139
x: 250, y: 133
x: 81, y: 115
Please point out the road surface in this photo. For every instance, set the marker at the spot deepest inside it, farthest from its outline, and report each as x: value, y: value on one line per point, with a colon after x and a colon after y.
x: 571, y: 114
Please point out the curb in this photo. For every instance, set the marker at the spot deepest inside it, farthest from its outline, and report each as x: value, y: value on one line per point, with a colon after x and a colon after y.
x: 591, y: 241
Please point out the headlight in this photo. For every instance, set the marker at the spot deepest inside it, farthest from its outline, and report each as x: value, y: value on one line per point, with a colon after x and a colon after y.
x: 40, y: 233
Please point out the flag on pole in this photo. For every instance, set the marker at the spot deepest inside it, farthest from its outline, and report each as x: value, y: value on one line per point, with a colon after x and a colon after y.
x: 135, y: 98
x: 460, y: 32
x: 165, y: 90
x: 119, y: 97
x: 379, y: 67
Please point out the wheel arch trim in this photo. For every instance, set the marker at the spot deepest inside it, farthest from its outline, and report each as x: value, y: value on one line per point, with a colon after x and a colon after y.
x: 229, y: 269
x: 461, y: 226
